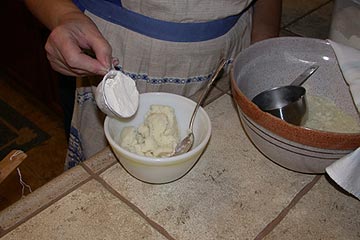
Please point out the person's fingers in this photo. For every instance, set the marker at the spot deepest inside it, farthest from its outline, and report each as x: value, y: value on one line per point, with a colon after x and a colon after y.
x: 65, y: 51
x: 59, y: 64
x: 102, y: 50
x: 60, y: 67
x: 79, y: 61
x: 73, y: 66
x: 92, y: 39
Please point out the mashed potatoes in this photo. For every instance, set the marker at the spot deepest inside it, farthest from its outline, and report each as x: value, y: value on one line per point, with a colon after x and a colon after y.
x: 156, y: 137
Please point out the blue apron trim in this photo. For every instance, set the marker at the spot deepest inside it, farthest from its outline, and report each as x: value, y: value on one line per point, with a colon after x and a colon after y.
x: 170, y: 80
x: 112, y: 11
x: 75, y: 153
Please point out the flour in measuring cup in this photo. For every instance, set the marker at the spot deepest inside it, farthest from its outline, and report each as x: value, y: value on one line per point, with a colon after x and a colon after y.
x: 122, y: 95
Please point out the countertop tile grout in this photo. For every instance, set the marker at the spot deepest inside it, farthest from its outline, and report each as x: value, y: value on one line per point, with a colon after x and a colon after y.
x: 97, y: 173
x: 132, y: 206
x: 275, y: 222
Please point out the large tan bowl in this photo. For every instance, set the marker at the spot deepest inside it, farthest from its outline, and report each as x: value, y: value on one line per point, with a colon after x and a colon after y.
x: 278, y: 61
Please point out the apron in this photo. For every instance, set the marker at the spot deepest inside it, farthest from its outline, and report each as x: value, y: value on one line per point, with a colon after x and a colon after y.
x: 167, y: 50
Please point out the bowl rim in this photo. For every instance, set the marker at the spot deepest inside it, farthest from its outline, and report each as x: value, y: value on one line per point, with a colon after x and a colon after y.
x: 162, y: 160
x: 315, y: 138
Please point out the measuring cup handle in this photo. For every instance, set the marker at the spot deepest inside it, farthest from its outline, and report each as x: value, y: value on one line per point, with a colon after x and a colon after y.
x: 305, y: 75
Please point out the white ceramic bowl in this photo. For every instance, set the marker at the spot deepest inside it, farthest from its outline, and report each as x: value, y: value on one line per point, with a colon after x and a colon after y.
x: 160, y: 170
x: 276, y: 62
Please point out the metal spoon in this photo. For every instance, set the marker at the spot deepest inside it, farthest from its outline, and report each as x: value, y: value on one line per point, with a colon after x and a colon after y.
x: 186, y: 143
x: 287, y: 102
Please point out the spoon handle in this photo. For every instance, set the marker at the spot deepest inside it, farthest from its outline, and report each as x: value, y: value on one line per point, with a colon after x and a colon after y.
x: 216, y: 73
x: 305, y: 75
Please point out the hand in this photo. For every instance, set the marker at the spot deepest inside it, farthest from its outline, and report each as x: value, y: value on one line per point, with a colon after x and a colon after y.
x: 67, y: 41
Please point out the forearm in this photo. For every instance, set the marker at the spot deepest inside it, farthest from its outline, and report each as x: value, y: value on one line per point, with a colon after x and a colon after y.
x: 266, y: 19
x: 52, y: 12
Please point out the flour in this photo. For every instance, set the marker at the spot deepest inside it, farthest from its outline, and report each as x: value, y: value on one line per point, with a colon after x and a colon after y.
x: 121, y: 95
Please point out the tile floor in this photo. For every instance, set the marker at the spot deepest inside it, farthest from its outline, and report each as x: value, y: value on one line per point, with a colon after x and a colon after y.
x: 300, y: 18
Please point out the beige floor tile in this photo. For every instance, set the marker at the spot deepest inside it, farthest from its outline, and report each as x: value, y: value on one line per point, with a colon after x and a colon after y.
x: 324, y: 213
x: 293, y: 10
x: 231, y: 193
x: 79, y: 205
x: 285, y: 33
x: 314, y: 25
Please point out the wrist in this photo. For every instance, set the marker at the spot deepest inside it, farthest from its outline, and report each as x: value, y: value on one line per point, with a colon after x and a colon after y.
x: 52, y: 12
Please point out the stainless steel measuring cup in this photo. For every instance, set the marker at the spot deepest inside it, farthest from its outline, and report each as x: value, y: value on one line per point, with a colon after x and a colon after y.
x: 287, y: 102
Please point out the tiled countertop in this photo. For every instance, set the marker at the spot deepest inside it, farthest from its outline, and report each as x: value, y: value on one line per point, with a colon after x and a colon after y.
x: 233, y: 192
